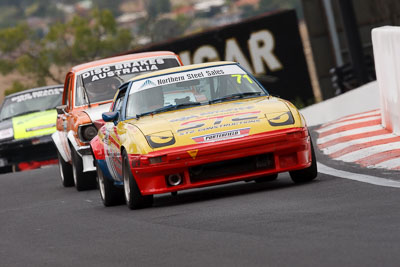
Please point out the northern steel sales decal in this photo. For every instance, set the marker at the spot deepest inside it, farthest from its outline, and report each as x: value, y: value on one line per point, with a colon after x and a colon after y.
x: 185, y: 76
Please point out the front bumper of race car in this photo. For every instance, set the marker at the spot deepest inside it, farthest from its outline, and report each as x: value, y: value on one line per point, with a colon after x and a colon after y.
x: 233, y: 160
x: 27, y: 153
x: 87, y: 158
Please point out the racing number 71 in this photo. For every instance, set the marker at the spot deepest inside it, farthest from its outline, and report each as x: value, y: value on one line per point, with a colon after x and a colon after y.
x: 239, y: 78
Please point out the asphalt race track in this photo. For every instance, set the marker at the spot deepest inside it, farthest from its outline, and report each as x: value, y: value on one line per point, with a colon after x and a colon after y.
x: 329, y: 222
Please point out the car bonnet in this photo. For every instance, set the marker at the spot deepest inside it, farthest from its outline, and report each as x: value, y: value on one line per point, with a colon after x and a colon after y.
x: 218, y: 122
x: 94, y: 113
x: 34, y: 124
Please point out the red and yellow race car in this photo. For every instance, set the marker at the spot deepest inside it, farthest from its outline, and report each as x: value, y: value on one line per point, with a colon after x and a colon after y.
x: 197, y: 126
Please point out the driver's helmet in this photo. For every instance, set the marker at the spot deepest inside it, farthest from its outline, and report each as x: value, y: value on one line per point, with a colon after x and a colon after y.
x: 112, y: 83
x: 153, y: 98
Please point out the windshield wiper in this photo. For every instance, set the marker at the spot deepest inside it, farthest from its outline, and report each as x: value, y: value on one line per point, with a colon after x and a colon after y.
x: 85, y: 91
x: 234, y: 96
x: 167, y: 108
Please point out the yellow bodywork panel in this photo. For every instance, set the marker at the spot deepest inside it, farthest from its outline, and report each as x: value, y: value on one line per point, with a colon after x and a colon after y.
x: 207, y: 123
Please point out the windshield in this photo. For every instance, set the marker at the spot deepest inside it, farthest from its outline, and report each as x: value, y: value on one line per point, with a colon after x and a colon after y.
x: 30, y: 102
x: 189, y: 88
x: 101, y: 83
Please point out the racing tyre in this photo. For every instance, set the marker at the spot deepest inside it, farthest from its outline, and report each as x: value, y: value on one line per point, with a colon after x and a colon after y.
x: 109, y: 193
x: 83, y: 180
x: 67, y: 179
x: 134, y: 199
x: 307, y: 174
x: 268, y: 178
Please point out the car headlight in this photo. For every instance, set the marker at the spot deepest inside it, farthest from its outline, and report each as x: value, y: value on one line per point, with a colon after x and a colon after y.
x: 6, y: 133
x: 160, y: 139
x: 87, y: 132
x: 281, y: 118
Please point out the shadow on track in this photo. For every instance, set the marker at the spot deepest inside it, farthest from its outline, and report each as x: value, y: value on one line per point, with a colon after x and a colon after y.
x: 225, y: 191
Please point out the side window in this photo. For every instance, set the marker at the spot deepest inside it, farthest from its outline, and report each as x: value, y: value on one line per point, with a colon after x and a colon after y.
x: 67, y: 90
x: 120, y: 100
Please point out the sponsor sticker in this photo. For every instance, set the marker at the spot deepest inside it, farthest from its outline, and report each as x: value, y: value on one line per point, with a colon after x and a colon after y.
x: 37, y: 94
x: 187, y: 76
x: 147, y: 84
x: 160, y: 139
x: 128, y: 67
x: 279, y: 119
x: 214, y: 137
x: 193, y: 153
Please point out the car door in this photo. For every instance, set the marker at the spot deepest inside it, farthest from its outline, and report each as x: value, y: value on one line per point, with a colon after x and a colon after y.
x: 113, y: 142
x: 62, y: 118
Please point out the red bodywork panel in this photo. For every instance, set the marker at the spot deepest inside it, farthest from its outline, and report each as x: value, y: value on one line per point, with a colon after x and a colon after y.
x: 99, y: 123
x: 31, y: 165
x: 288, y: 149
x: 97, y: 148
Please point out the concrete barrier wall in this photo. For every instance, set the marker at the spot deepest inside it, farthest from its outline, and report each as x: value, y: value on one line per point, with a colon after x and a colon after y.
x: 362, y: 99
x: 386, y: 45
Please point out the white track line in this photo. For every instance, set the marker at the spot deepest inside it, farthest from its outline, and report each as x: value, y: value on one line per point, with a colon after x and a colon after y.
x: 349, y: 132
x: 365, y: 152
x: 334, y: 148
x: 358, y: 177
x: 336, y: 125
x: 388, y: 164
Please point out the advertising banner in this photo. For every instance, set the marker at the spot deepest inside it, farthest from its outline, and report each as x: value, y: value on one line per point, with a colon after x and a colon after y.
x: 269, y: 46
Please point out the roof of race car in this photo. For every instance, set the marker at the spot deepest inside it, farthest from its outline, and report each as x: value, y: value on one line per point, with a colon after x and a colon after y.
x: 120, y: 58
x: 182, y: 68
x: 36, y: 89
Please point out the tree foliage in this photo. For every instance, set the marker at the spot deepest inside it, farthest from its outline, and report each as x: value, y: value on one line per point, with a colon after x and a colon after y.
x: 164, y: 29
x: 157, y: 7
x: 12, y: 12
x: 80, y: 40
x: 17, y: 86
x: 113, y: 5
x: 270, y: 5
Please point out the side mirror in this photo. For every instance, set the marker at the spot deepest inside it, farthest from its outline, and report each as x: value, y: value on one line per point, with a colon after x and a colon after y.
x: 110, y: 116
x: 61, y: 109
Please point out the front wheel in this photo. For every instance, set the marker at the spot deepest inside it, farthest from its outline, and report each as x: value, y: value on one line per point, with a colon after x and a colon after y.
x: 67, y: 178
x: 307, y: 174
x: 109, y: 193
x: 83, y: 180
x: 134, y: 199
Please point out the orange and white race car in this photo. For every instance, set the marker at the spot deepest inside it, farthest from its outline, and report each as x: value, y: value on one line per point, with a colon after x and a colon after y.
x: 88, y: 92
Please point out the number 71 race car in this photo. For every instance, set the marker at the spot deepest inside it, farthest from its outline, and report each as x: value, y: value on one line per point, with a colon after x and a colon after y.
x: 197, y: 126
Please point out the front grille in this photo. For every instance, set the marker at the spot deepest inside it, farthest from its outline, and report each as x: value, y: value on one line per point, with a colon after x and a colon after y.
x: 231, y: 167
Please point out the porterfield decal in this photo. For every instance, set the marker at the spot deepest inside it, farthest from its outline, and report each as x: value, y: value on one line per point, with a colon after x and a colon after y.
x: 214, y: 137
